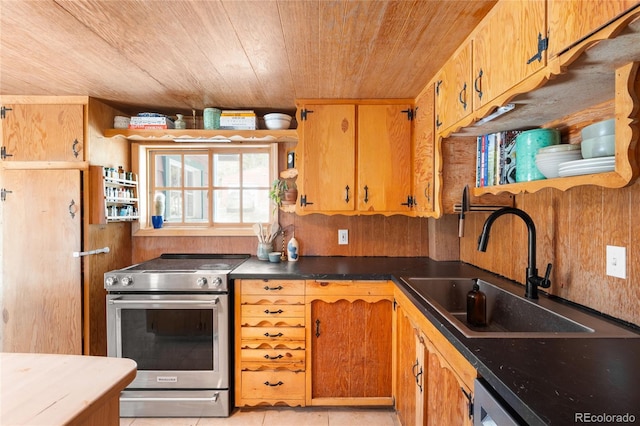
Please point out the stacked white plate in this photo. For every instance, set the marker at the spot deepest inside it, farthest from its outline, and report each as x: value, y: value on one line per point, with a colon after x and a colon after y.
x: 587, y: 166
x: 549, y: 158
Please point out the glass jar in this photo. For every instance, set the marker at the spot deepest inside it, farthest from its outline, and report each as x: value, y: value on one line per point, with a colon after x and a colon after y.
x: 211, y: 117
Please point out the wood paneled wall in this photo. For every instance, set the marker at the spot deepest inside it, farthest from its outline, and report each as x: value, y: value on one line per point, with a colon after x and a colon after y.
x: 573, y: 230
x: 377, y: 235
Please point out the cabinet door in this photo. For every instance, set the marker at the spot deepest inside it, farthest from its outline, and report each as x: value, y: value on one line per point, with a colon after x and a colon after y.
x: 407, y: 368
x: 424, y: 152
x: 384, y: 157
x: 328, y: 158
x: 41, y: 280
x: 571, y: 20
x: 446, y: 399
x: 453, y: 89
x: 508, y: 47
x: 351, y: 349
x: 44, y: 132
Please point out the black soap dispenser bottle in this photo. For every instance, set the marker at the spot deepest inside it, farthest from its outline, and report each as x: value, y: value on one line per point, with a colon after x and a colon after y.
x: 476, y: 306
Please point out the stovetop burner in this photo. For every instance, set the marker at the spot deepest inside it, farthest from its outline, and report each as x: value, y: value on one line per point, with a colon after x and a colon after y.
x: 191, y: 262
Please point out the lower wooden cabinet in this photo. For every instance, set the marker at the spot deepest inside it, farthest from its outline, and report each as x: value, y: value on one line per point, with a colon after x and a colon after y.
x: 270, y: 342
x: 349, y: 342
x: 434, y: 382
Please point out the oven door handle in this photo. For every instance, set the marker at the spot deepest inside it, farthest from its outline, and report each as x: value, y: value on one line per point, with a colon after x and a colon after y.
x: 214, y: 398
x: 213, y: 301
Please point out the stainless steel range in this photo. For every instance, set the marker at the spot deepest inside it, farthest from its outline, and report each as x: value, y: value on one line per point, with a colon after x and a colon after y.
x: 172, y: 315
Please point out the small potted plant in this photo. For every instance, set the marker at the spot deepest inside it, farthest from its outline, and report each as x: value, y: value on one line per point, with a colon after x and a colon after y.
x: 283, y: 191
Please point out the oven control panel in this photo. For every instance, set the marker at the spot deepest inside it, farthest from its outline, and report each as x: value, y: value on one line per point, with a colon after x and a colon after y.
x: 165, y: 281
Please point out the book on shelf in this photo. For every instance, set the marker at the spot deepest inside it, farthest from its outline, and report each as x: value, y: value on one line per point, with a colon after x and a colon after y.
x: 238, y: 113
x: 142, y: 122
x: 495, y: 158
x: 508, y: 157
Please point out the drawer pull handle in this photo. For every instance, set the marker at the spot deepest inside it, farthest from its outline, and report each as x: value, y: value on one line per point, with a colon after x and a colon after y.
x: 279, y: 311
x: 317, y: 328
x: 273, y: 357
x: 266, y: 287
x: 274, y: 384
x: 273, y: 335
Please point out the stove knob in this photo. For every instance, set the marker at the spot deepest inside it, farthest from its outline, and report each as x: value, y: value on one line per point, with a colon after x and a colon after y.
x: 111, y: 281
x: 217, y: 282
x: 126, y: 281
x: 202, y: 281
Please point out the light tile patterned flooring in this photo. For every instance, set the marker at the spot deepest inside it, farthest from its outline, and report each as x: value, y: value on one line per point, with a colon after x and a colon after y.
x: 282, y: 417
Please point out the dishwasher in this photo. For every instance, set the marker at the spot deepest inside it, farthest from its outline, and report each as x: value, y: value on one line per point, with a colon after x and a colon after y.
x: 488, y: 410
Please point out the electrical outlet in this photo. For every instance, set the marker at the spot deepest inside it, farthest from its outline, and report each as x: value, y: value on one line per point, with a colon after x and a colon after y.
x: 343, y: 236
x: 617, y: 261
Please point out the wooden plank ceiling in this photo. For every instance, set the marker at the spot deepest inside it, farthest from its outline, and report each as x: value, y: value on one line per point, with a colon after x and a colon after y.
x: 183, y: 55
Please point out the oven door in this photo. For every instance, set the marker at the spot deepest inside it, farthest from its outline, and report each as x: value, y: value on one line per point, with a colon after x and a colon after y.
x: 179, y: 341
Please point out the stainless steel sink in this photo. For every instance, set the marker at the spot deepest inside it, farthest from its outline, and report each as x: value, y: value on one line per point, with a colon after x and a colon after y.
x: 510, y: 315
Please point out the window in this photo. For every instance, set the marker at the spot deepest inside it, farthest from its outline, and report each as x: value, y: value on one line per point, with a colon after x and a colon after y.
x: 224, y: 187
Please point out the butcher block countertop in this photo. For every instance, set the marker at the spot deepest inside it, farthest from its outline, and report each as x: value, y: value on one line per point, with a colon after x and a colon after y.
x: 43, y: 389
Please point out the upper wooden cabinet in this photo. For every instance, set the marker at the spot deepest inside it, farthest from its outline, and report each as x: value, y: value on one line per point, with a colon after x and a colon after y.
x: 384, y: 157
x: 42, y: 132
x: 454, y: 89
x: 424, y: 152
x: 571, y: 20
x: 326, y: 175
x: 333, y: 179
x: 509, y: 45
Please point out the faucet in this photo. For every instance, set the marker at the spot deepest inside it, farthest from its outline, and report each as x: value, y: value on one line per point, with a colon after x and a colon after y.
x: 533, y: 280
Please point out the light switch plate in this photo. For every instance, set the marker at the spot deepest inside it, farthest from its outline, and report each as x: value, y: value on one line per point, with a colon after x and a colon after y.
x: 617, y: 261
x: 343, y: 236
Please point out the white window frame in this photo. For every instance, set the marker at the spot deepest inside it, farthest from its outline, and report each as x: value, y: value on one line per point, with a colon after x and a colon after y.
x: 140, y: 158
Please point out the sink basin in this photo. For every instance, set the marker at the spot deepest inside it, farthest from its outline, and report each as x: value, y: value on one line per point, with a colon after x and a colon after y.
x: 511, y: 315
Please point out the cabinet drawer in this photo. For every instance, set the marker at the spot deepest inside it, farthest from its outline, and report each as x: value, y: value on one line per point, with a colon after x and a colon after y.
x: 272, y: 322
x: 273, y: 311
x: 273, y: 385
x: 273, y: 358
x: 272, y: 287
x: 348, y: 288
x: 279, y: 299
x: 273, y: 334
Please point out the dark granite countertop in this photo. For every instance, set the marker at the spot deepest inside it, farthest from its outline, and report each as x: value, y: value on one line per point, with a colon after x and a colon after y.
x: 545, y: 381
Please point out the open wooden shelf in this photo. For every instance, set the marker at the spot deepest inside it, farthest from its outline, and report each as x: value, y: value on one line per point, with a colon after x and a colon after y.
x: 200, y: 135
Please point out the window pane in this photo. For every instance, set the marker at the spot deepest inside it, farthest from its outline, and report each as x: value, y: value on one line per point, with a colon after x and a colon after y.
x: 226, y: 206
x: 174, y: 206
x: 168, y: 170
x: 196, y: 206
x: 255, y: 205
x: 255, y: 169
x: 226, y: 170
x: 196, y: 171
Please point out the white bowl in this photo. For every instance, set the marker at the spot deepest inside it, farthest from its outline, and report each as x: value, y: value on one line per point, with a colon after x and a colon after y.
x: 548, y: 164
x: 553, y: 149
x: 601, y: 146
x: 601, y: 128
x: 276, y: 121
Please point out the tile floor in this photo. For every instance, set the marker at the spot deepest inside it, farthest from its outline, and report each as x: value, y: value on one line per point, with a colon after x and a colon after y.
x: 282, y: 417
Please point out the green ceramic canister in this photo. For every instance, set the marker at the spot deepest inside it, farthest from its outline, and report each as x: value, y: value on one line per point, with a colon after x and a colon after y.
x: 527, y: 145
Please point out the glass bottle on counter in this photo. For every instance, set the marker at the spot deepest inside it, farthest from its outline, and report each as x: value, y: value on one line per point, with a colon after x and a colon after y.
x: 476, y: 306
